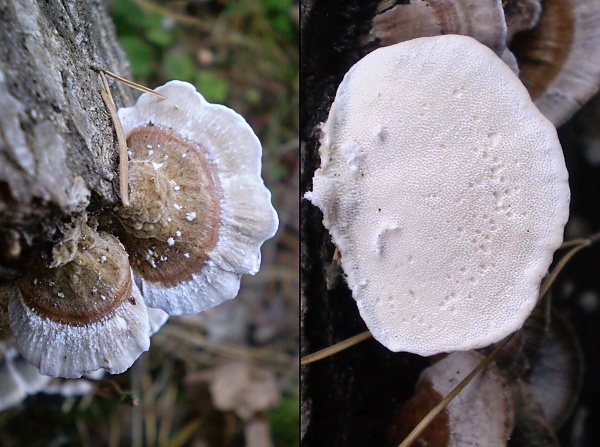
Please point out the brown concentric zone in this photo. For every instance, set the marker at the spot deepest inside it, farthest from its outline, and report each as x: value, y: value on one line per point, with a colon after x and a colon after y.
x: 85, y: 290
x: 174, y: 216
x: 413, y: 411
x: 543, y: 51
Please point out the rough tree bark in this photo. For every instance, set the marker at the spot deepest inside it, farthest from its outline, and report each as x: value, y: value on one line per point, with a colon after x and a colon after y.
x: 56, y: 138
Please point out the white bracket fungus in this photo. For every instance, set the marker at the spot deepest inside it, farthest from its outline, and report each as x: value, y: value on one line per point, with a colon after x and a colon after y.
x: 483, y: 20
x: 83, y: 316
x: 558, y: 58
x: 18, y: 378
x: 199, y: 209
x: 482, y: 413
x: 446, y: 192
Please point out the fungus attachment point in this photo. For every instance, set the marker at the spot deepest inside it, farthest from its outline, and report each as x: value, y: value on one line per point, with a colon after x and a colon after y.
x: 446, y: 197
x: 82, y: 316
x: 199, y: 210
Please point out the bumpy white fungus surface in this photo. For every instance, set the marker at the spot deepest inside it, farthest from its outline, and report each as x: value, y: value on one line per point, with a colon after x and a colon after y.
x: 446, y: 192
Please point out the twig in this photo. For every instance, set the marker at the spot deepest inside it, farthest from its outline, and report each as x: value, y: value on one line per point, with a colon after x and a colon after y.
x: 435, y: 411
x: 559, y: 266
x: 335, y: 348
x: 123, y: 157
x: 132, y: 84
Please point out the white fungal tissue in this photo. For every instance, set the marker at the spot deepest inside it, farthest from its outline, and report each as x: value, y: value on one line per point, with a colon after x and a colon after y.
x: 446, y: 192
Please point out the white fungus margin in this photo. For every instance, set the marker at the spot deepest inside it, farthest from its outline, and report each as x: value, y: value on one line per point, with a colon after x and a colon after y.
x: 231, y: 155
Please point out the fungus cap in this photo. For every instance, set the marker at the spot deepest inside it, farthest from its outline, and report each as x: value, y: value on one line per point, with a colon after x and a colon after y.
x: 446, y: 192
x: 199, y: 209
x: 483, y: 20
x: 83, y: 316
x: 558, y: 57
x: 481, y: 414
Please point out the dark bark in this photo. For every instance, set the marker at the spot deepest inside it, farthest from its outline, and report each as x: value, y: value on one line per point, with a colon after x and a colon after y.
x: 56, y: 138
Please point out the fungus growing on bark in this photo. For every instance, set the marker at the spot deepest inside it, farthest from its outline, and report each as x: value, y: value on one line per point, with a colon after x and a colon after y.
x: 482, y: 20
x: 481, y: 414
x: 446, y: 197
x: 199, y: 210
x: 558, y: 57
x: 85, y: 315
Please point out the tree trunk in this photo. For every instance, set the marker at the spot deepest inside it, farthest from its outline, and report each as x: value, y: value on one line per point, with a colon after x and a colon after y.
x: 56, y: 139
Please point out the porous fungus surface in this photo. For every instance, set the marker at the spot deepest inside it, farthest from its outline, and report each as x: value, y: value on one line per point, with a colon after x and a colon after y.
x: 199, y: 208
x: 446, y: 192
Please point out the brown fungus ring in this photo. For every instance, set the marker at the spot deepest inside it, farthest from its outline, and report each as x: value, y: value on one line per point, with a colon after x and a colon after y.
x: 83, y: 316
x: 199, y: 209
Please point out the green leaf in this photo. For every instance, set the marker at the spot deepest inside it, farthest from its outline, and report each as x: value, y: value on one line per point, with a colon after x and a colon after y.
x: 140, y: 55
x: 213, y: 88
x: 179, y: 66
x: 160, y: 36
x: 253, y: 96
x: 156, y: 31
x: 124, y: 14
x: 285, y: 421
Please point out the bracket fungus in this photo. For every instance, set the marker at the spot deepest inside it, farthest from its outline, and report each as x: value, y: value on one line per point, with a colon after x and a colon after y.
x: 482, y: 414
x: 445, y: 191
x: 85, y: 315
x: 558, y: 57
x: 482, y: 20
x: 18, y: 378
x: 199, y: 209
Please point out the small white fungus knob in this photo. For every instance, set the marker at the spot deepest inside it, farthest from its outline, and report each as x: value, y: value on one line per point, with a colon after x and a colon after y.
x: 446, y: 192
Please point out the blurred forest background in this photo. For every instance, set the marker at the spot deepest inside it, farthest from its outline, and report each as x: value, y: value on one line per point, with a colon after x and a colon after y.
x: 228, y: 376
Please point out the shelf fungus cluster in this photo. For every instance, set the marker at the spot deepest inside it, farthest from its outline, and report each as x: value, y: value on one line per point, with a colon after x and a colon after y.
x: 20, y: 379
x: 85, y: 315
x: 198, y: 215
x: 525, y: 396
x: 553, y: 45
x: 482, y: 414
x: 446, y: 197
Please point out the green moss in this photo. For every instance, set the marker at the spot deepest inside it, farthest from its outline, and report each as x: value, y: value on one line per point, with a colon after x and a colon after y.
x: 285, y: 421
